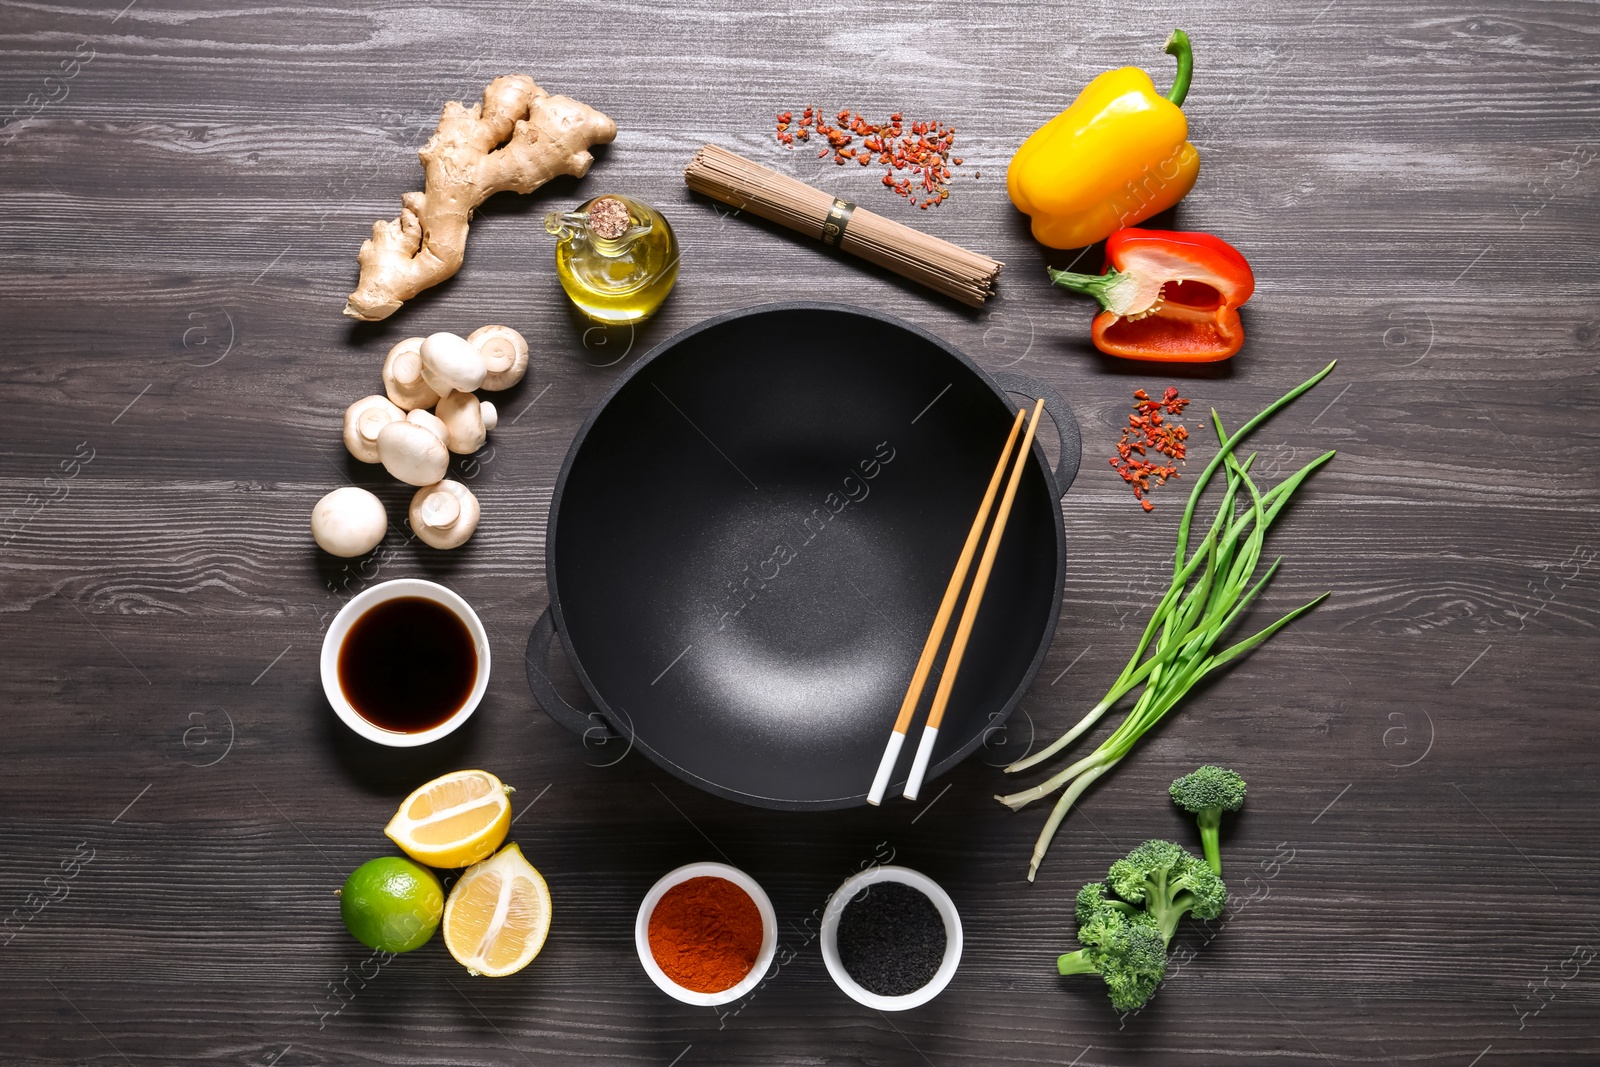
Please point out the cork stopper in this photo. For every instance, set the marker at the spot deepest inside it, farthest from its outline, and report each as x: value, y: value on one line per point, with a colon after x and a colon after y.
x: 609, y: 218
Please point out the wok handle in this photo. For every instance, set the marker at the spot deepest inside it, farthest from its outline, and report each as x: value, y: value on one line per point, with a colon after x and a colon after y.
x: 591, y: 726
x: 1066, y: 425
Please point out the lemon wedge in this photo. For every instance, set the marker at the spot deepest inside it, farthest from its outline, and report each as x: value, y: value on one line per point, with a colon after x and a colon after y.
x: 454, y: 820
x: 498, y: 915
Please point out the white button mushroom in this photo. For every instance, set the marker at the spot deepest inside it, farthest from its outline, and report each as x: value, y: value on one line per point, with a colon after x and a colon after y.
x: 467, y: 422
x: 363, y: 420
x: 444, y: 515
x: 349, y: 522
x: 402, y: 376
x: 451, y: 362
x: 429, y: 421
x: 413, y: 449
x: 505, y: 353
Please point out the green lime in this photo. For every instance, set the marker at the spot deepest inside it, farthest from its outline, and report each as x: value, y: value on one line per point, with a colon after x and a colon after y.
x: 392, y: 904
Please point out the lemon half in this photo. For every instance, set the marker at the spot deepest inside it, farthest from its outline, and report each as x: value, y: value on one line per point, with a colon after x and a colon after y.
x: 498, y: 915
x: 454, y: 820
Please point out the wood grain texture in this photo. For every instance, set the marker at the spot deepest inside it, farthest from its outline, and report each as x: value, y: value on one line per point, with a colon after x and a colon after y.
x: 1416, y: 187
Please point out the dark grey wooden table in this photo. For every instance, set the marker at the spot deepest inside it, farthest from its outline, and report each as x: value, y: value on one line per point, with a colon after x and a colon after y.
x: 1415, y: 186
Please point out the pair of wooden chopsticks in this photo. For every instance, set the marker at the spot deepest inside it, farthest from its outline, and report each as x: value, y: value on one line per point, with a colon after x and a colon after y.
x: 958, y: 647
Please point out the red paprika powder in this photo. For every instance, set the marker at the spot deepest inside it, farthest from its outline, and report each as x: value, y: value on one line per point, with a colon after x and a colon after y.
x: 706, y: 933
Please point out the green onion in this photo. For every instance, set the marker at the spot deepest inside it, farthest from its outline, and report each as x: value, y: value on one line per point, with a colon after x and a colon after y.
x: 1210, y: 590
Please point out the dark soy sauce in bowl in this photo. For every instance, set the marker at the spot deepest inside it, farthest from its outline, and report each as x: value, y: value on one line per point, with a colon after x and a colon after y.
x: 408, y: 664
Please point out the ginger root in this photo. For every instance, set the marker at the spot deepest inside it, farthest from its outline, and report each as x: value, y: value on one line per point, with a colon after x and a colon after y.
x: 518, y: 138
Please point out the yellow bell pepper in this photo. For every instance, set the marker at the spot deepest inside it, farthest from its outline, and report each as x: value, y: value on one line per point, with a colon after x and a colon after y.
x: 1117, y: 156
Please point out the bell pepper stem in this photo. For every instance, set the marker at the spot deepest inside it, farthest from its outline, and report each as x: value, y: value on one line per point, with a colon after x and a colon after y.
x: 1178, y: 45
x: 1102, y: 287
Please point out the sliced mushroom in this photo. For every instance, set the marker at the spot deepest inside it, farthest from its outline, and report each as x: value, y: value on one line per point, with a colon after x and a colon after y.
x: 451, y: 362
x: 363, y: 420
x: 413, y: 451
x: 444, y: 515
x: 467, y: 422
x: 349, y: 522
x: 402, y: 376
x: 505, y: 354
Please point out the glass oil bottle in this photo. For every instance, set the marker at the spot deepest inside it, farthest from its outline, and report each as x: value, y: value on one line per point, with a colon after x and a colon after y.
x: 616, y: 257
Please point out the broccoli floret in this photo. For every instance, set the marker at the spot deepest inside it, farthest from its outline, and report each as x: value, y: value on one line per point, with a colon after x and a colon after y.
x: 1122, y: 944
x: 1125, y: 941
x: 1092, y: 899
x: 1169, y: 882
x: 1207, y: 793
x: 1133, y: 965
x: 1131, y: 959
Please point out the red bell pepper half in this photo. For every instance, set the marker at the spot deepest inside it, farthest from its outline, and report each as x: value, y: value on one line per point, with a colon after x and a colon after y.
x: 1167, y: 296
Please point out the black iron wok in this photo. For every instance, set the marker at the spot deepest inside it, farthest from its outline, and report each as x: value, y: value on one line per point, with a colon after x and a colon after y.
x: 750, y: 536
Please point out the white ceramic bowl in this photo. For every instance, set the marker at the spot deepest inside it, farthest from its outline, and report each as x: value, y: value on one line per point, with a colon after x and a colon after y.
x: 358, y: 606
x: 769, y: 933
x: 952, y: 937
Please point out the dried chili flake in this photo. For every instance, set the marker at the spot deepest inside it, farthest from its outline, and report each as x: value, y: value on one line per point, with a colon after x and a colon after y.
x: 923, y: 148
x: 1146, y: 432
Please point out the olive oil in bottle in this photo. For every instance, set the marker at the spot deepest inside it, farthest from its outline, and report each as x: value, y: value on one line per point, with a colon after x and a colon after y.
x: 616, y: 257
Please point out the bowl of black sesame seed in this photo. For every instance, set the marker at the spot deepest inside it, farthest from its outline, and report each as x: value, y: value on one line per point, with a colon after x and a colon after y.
x: 891, y: 938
